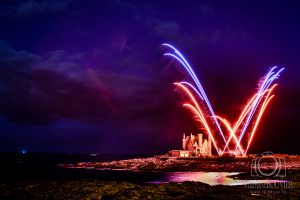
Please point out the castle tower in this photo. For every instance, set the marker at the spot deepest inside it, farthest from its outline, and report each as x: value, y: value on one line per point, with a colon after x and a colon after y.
x: 209, y: 146
x: 195, y: 147
x: 183, y: 142
x: 200, y: 140
x: 205, y: 147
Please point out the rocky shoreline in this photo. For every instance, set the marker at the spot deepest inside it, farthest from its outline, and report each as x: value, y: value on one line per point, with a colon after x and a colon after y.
x: 165, y: 163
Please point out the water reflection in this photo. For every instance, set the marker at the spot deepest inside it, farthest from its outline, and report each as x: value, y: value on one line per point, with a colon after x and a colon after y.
x: 211, y: 178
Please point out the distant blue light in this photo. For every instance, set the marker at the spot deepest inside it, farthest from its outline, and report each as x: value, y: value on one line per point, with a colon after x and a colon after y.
x: 23, y: 151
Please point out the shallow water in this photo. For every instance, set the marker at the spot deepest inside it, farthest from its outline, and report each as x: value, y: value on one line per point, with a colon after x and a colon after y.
x: 210, y: 178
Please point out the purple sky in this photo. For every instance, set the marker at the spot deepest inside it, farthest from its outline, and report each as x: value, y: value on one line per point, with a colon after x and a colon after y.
x: 89, y: 76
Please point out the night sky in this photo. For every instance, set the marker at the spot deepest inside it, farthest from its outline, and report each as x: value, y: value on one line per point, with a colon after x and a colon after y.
x: 89, y: 76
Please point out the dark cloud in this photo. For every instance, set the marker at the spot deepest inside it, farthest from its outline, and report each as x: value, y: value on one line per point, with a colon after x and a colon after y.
x: 217, y: 36
x: 58, y: 86
x: 33, y: 7
x: 167, y: 30
x: 39, y: 90
x: 127, y: 5
x: 207, y: 10
x: 42, y: 89
x: 10, y: 58
x: 161, y: 28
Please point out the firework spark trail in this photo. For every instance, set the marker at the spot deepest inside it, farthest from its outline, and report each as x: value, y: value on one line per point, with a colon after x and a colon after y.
x: 266, y: 84
x: 232, y: 133
x: 190, y: 85
x: 244, y: 113
x: 187, y: 66
x: 242, y: 116
x: 265, y: 103
x: 197, y: 111
x: 258, y: 120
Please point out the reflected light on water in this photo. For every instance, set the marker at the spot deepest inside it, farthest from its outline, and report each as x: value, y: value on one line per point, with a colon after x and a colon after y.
x: 210, y: 178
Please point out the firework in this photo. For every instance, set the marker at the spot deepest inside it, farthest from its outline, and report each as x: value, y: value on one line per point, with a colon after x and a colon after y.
x: 179, y: 57
x: 256, y: 106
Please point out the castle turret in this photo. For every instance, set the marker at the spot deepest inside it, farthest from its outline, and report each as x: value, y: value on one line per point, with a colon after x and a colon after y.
x: 205, y: 147
x: 200, y: 140
x: 192, y: 138
x: 209, y: 146
x: 183, y: 142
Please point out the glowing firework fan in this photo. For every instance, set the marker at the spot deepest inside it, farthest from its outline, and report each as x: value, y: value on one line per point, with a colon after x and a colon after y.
x: 248, y: 119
